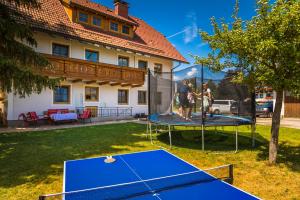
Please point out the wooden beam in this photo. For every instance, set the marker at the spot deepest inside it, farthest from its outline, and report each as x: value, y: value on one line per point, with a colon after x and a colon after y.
x: 103, y: 83
x: 90, y: 82
x: 114, y: 84
x: 125, y: 84
x: 76, y: 80
x: 133, y: 86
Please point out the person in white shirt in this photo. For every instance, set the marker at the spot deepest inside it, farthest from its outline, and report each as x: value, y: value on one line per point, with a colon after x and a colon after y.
x: 207, y: 99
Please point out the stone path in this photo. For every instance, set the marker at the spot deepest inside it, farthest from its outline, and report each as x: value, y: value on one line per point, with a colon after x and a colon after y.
x: 285, y: 122
x: 62, y: 126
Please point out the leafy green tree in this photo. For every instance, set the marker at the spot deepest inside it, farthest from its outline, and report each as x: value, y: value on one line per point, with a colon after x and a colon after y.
x: 265, y: 50
x: 20, y: 65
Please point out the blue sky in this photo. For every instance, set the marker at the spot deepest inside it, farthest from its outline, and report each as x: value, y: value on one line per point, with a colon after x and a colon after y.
x: 171, y: 17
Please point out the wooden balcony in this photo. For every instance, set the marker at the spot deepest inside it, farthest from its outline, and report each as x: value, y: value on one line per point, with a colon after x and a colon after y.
x: 92, y: 72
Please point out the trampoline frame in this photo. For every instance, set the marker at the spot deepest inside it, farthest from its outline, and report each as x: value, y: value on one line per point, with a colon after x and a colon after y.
x: 151, y: 123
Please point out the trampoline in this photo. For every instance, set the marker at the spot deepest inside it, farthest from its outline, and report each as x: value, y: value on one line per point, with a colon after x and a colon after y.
x: 165, y: 108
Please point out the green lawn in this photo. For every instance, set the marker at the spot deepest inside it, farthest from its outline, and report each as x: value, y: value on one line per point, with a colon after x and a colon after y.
x: 32, y: 163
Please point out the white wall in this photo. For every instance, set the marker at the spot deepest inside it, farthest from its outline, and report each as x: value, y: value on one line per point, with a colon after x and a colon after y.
x: 77, y: 50
x: 108, y: 97
x: 108, y: 94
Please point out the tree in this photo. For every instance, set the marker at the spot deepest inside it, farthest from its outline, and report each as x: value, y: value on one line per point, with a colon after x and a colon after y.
x: 20, y: 65
x: 265, y: 50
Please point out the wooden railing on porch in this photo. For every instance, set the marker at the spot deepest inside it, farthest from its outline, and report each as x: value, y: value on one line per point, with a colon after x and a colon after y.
x: 94, y: 71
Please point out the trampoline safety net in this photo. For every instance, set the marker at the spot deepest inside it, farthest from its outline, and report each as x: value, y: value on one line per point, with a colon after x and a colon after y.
x: 199, y: 96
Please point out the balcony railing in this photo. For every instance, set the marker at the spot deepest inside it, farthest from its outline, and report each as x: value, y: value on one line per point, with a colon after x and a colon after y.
x: 103, y: 112
x: 102, y: 73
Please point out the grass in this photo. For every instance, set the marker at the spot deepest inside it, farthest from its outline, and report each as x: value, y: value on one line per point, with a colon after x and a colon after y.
x: 32, y: 163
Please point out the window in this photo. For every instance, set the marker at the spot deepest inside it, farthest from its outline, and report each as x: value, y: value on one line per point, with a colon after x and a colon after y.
x: 91, y: 55
x: 142, y: 97
x: 62, y: 95
x: 221, y: 102
x: 157, y: 68
x: 96, y: 21
x: 122, y: 96
x: 123, y: 61
x: 143, y: 64
x: 158, y: 98
x: 114, y: 26
x: 125, y: 29
x: 269, y: 95
x: 83, y: 17
x: 91, y: 93
x: 60, y: 50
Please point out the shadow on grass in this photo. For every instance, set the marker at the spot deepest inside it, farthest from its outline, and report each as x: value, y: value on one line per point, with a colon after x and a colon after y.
x: 37, y: 157
x: 287, y: 155
x: 224, y: 141
x: 220, y: 141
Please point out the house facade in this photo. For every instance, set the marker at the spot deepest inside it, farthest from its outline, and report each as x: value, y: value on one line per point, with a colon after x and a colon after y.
x: 103, y: 55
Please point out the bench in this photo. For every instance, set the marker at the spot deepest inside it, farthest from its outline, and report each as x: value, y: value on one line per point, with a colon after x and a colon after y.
x: 61, y: 115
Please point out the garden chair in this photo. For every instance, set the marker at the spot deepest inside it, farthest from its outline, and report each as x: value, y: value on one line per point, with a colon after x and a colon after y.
x: 86, y: 115
x: 27, y: 120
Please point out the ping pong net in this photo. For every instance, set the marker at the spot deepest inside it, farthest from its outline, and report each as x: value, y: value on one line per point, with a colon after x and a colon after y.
x: 148, y: 187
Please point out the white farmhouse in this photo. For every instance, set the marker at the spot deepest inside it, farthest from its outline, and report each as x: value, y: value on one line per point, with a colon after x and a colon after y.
x: 103, y: 54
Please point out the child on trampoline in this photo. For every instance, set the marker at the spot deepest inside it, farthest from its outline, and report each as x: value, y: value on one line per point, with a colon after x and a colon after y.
x: 207, y: 100
x: 191, y: 99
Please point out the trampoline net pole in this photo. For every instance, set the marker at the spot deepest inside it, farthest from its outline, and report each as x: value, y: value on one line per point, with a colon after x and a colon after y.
x: 202, y: 131
x: 170, y: 136
x: 236, y: 139
x: 150, y: 131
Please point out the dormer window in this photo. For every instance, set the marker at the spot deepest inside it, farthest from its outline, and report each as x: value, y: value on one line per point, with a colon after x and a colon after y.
x: 125, y: 29
x: 114, y: 26
x: 96, y: 21
x: 83, y: 17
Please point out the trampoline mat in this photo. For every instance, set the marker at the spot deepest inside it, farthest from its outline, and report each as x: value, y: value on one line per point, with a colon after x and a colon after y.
x: 196, y: 120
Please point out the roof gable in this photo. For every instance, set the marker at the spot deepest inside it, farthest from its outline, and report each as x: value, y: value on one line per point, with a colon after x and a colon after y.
x: 52, y: 17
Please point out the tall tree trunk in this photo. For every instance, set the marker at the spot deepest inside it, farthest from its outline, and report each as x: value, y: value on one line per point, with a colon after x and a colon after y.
x: 273, y: 147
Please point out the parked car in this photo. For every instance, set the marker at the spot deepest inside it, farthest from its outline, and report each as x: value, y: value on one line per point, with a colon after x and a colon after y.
x: 241, y: 108
x: 222, y: 106
x: 264, y: 108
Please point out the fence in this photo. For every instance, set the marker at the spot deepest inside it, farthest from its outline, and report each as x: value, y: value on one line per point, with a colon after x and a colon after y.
x: 292, y: 106
x: 102, y: 112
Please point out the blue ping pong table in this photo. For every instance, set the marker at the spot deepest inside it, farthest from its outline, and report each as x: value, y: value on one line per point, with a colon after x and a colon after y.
x: 148, y: 175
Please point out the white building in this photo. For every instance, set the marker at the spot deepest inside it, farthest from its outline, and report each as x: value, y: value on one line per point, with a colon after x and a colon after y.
x: 103, y: 55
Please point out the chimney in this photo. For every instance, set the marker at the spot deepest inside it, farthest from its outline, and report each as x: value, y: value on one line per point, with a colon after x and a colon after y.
x: 121, y: 8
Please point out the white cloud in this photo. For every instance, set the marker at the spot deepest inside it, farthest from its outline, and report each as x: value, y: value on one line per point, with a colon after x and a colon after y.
x: 192, y: 72
x: 202, y: 44
x: 191, y: 30
x: 176, y: 78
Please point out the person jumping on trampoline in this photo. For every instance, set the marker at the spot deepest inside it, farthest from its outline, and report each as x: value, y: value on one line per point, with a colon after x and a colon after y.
x: 207, y: 100
x: 183, y: 99
x: 207, y: 92
x: 191, y: 99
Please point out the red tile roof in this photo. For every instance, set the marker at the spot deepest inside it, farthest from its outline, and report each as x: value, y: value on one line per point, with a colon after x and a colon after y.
x: 102, y: 9
x: 51, y: 17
